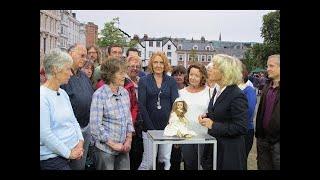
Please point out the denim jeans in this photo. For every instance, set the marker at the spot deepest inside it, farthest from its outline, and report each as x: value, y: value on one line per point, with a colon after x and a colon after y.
x: 164, y: 154
x: 106, y: 161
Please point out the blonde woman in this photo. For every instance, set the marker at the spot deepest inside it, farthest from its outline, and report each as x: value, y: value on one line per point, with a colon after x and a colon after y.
x: 227, y: 114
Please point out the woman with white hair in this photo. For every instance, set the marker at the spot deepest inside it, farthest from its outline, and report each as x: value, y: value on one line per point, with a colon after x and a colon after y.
x: 226, y: 119
x: 60, y: 134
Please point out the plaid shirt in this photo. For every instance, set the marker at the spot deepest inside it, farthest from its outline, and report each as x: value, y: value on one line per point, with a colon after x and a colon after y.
x: 110, y: 117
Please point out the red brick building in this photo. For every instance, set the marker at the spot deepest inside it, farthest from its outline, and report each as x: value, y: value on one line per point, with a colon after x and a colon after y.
x: 91, y: 34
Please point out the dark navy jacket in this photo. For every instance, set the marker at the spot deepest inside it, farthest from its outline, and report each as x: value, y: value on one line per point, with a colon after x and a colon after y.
x: 153, y: 118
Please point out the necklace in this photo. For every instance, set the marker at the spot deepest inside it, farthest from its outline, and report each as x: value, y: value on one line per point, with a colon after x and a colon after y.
x: 158, y: 102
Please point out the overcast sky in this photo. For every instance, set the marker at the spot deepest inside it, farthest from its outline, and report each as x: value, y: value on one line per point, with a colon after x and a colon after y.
x: 240, y: 25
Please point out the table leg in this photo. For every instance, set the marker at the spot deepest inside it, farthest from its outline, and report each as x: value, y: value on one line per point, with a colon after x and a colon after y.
x: 154, y: 155
x: 199, y: 157
x: 214, y: 155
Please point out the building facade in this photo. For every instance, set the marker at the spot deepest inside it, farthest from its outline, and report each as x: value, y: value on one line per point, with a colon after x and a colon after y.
x: 91, y: 34
x: 49, y: 30
x: 82, y: 34
x: 236, y: 49
x: 189, y: 51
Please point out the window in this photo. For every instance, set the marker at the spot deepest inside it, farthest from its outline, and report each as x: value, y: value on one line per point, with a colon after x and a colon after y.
x: 195, y: 47
x: 209, y: 57
x: 150, y: 43
x: 158, y: 43
x: 180, y: 57
x: 169, y: 47
x: 203, y: 58
x: 179, y: 46
x: 190, y: 58
x: 169, y: 54
x: 208, y: 48
x: 197, y: 58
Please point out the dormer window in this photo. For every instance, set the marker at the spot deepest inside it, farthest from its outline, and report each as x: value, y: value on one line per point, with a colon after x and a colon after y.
x: 179, y: 46
x: 195, y: 47
x: 208, y: 48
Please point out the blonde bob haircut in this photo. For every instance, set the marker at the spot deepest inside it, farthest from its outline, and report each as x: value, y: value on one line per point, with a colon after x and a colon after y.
x: 167, y: 67
x: 230, y: 68
x: 134, y: 58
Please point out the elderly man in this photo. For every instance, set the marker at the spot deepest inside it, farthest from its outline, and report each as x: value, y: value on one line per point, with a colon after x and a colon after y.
x: 80, y: 92
x: 268, y: 119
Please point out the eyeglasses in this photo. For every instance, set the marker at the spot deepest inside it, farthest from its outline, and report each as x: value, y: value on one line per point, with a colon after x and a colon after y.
x: 132, y: 67
x: 92, y: 52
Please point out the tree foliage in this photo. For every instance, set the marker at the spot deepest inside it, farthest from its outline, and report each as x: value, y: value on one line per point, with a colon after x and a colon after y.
x: 257, y: 55
x: 110, y: 34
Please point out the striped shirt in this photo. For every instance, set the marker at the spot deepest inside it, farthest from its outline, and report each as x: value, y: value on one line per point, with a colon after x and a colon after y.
x: 110, y: 117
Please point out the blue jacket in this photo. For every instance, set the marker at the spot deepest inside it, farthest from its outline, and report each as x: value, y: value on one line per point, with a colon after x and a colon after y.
x: 153, y: 118
x: 252, y: 101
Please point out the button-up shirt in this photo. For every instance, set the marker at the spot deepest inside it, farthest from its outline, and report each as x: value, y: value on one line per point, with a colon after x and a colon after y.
x: 110, y: 117
x: 269, y: 104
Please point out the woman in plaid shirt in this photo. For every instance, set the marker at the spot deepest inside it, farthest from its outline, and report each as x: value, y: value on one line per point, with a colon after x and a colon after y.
x: 110, y: 119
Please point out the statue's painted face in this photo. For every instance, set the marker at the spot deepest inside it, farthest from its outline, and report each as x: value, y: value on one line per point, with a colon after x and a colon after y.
x: 180, y: 106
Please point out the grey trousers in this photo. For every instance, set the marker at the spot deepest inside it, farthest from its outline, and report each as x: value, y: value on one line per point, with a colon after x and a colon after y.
x: 80, y: 164
x: 106, y: 161
x: 268, y: 155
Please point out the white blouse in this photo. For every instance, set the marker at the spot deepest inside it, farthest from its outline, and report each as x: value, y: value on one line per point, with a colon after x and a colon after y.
x: 197, y: 105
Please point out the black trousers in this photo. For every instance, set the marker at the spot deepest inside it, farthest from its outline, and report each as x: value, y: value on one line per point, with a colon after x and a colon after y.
x: 268, y: 155
x: 176, y: 157
x: 136, y: 152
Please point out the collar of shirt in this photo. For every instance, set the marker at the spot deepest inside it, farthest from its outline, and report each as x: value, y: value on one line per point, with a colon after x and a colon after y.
x: 242, y: 86
x: 135, y: 85
x: 110, y: 93
x: 216, y: 86
x: 219, y: 91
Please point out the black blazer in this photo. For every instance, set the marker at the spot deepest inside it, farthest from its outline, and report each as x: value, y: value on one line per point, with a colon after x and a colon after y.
x: 230, y: 125
x: 272, y: 133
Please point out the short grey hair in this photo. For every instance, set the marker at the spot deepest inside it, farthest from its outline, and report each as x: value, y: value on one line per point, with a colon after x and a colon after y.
x: 275, y: 56
x: 55, y: 58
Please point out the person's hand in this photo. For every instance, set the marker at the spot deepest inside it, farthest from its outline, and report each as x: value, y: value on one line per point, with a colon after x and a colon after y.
x: 80, y: 145
x: 115, y: 146
x: 203, y: 115
x: 76, y: 153
x: 206, y: 122
x: 127, y: 145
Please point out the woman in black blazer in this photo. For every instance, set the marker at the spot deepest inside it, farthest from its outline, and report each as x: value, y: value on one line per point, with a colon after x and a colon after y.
x: 227, y: 114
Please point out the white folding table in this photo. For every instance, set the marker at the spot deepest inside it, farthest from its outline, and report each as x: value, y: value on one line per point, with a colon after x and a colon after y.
x: 156, y: 137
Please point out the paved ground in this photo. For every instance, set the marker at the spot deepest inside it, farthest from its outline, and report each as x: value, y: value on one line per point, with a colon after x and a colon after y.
x: 252, y: 159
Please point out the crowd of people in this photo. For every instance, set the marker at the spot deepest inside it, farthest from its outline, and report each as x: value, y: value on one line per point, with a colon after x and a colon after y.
x: 95, y: 111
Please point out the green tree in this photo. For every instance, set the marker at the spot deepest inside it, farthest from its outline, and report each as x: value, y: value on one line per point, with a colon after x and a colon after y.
x: 254, y: 57
x: 111, y: 34
x: 257, y: 55
x: 270, y: 31
x: 193, y: 55
x: 132, y: 43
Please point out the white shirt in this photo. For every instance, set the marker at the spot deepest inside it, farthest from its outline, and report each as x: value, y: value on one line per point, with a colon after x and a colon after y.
x: 218, y: 94
x: 249, y: 83
x: 197, y: 105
